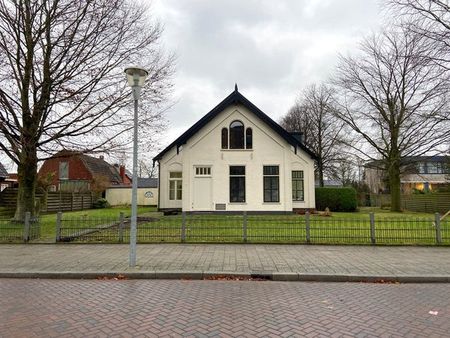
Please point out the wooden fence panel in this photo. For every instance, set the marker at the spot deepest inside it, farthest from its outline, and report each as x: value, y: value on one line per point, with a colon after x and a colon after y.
x: 437, y: 202
x: 56, y: 201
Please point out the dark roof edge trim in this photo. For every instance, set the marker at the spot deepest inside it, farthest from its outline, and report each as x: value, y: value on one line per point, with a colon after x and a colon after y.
x: 234, y: 98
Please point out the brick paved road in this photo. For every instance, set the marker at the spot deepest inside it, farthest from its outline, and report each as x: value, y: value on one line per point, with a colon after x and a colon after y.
x: 137, y: 308
x: 366, y: 260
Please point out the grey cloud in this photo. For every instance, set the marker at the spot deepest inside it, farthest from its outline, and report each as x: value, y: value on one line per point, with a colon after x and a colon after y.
x: 271, y: 48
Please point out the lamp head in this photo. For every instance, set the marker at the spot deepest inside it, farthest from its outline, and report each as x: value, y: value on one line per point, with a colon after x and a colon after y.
x: 136, y: 76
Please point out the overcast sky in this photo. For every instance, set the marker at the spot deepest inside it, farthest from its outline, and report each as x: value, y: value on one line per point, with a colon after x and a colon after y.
x: 271, y: 49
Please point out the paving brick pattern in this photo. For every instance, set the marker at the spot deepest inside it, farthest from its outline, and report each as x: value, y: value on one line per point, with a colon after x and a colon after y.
x: 363, y: 260
x: 162, y: 308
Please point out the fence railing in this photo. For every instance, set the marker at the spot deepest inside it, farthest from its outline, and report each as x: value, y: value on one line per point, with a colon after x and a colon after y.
x: 243, y: 228
x: 18, y: 231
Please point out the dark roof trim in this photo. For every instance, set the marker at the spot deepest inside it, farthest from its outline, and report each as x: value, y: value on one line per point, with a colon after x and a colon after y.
x: 235, y: 98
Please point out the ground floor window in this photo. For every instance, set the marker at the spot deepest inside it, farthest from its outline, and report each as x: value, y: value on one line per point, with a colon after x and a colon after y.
x: 237, y: 183
x: 175, y: 185
x: 298, y: 191
x: 271, y: 175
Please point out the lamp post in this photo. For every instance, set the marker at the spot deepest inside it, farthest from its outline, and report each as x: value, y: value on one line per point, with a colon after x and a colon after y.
x: 136, y: 77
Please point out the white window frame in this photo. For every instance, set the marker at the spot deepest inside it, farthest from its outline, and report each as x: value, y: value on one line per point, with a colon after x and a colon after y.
x: 174, y: 181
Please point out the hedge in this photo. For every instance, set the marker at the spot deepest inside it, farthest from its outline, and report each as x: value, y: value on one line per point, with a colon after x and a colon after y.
x: 336, y: 199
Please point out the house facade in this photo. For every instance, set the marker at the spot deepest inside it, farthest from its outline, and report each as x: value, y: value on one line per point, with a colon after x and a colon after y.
x: 234, y: 159
x: 419, y: 174
x: 147, y: 193
x: 75, y: 172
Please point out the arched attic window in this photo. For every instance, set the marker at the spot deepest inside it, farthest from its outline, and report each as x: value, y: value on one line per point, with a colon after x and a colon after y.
x: 248, y: 138
x: 236, y: 135
x: 224, y: 138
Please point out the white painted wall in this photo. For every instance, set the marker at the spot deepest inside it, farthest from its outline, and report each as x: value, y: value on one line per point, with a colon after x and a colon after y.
x: 122, y: 196
x: 269, y: 148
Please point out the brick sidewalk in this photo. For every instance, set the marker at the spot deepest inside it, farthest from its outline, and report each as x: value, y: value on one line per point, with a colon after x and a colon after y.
x: 230, y: 259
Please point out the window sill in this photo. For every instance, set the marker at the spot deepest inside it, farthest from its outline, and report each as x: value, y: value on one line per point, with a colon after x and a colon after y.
x: 237, y: 203
x: 298, y: 201
x: 272, y: 203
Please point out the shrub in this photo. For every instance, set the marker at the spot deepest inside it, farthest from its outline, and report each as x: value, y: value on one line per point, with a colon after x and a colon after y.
x: 337, y: 199
x: 101, y: 203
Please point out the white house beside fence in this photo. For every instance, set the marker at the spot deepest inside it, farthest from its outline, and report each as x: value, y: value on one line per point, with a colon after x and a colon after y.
x: 147, y: 193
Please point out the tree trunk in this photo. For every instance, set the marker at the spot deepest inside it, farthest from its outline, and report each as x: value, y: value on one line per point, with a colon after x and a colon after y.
x: 27, y: 176
x: 394, y: 185
x: 320, y: 172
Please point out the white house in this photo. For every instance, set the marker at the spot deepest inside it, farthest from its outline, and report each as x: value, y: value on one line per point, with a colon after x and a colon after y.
x: 236, y: 158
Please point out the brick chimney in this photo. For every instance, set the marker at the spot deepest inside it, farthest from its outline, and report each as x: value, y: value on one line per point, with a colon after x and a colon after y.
x: 122, y: 173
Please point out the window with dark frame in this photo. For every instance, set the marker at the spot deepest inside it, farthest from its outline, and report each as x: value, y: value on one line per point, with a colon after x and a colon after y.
x: 249, y: 138
x: 224, y: 138
x: 271, y: 177
x: 236, y: 135
x: 298, y: 191
x: 237, y: 184
x: 202, y: 171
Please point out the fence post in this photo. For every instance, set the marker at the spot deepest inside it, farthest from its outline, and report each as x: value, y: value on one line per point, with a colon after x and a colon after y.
x: 58, y: 226
x: 308, y: 228
x: 26, y: 227
x: 244, y: 226
x: 372, y: 228
x: 183, y: 227
x: 437, y: 222
x: 121, y: 219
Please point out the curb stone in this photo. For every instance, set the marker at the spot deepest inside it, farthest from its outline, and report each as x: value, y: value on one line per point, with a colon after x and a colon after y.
x: 200, y: 275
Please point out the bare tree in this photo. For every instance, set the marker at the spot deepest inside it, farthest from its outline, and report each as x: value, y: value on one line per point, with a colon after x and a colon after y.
x: 61, y: 69
x: 147, y: 170
x: 395, y: 98
x: 314, y: 114
x: 429, y: 18
x: 345, y: 171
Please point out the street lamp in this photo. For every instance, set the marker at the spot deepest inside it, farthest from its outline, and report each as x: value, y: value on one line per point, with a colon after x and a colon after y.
x: 136, y: 77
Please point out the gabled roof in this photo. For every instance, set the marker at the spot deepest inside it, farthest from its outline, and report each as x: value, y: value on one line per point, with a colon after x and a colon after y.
x: 96, y: 166
x: 3, y: 172
x: 235, y: 98
x: 147, y: 182
x: 143, y: 182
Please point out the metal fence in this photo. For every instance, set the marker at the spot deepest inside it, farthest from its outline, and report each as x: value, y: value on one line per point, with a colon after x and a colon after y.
x: 17, y: 231
x: 243, y: 228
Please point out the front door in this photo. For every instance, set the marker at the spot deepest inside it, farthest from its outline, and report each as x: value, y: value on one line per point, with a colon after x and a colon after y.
x: 202, y: 194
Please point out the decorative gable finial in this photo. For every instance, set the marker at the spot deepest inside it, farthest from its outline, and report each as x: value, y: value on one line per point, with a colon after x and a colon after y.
x: 235, y: 87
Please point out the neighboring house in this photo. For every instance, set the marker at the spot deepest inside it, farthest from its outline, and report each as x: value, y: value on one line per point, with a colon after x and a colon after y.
x: 3, y: 176
x: 147, y: 193
x: 419, y: 173
x: 236, y: 158
x: 75, y: 172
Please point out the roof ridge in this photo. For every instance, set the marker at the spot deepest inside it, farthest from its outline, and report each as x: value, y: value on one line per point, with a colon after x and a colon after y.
x: 233, y: 98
